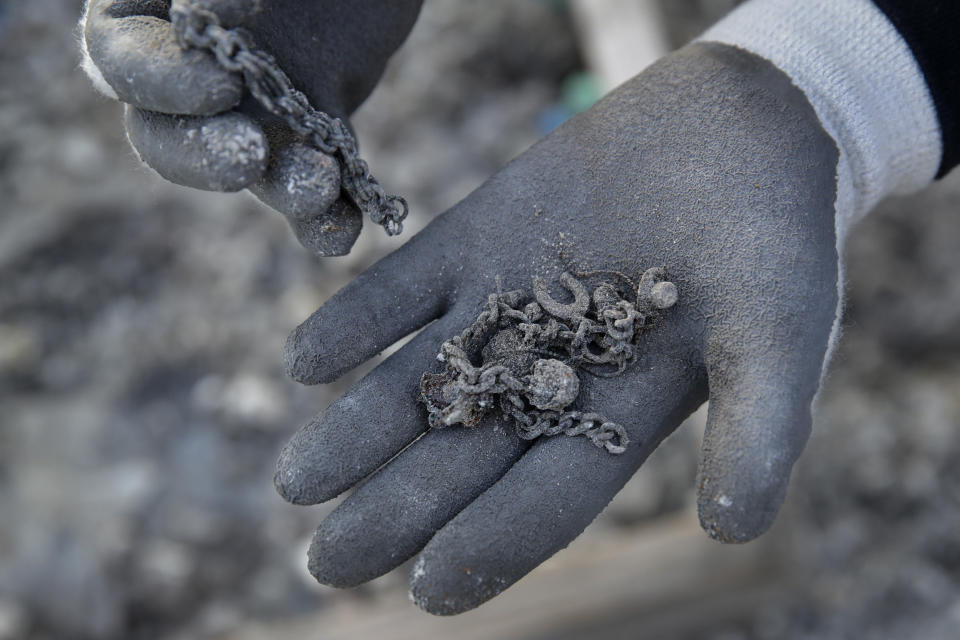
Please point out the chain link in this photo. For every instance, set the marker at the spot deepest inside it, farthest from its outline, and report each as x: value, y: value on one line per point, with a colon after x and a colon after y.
x: 497, y: 380
x: 269, y: 85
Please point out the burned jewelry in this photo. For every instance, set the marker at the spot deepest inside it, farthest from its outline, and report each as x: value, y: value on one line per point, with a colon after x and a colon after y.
x: 530, y: 353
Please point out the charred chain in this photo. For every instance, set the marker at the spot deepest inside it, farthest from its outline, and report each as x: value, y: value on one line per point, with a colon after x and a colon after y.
x: 497, y: 380
x: 200, y: 29
x: 530, y: 375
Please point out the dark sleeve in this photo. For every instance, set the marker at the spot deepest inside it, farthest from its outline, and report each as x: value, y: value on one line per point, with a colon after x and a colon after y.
x: 931, y: 29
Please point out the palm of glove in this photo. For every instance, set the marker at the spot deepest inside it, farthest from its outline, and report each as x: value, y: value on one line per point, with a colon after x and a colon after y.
x: 711, y: 164
x: 190, y: 119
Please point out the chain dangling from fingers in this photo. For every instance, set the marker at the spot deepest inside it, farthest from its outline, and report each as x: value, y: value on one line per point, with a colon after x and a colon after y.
x: 198, y: 28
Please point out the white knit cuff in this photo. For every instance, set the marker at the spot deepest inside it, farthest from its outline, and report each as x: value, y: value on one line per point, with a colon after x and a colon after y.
x: 862, y: 80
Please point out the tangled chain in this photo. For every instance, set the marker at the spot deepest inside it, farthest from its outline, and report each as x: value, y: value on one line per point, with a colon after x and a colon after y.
x: 198, y: 28
x: 530, y: 351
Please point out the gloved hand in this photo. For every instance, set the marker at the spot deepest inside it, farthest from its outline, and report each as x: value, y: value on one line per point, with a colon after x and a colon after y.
x: 190, y: 120
x: 710, y: 163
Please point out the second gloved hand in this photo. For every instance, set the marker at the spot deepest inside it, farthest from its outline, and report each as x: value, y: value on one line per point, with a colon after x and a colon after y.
x: 191, y: 121
x: 711, y: 164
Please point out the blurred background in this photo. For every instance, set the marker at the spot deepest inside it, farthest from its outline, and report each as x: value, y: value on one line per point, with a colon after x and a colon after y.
x: 142, y: 398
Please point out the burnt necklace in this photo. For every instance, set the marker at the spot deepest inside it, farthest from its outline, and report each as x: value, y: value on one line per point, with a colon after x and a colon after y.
x: 530, y: 352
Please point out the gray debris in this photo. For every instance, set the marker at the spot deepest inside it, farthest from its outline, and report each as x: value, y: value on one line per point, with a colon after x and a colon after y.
x: 531, y: 351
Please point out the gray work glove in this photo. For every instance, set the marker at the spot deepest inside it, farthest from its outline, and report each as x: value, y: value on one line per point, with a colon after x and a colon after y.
x: 711, y: 164
x: 191, y: 121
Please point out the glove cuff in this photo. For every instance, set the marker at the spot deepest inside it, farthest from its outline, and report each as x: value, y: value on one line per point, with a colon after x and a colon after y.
x: 862, y: 80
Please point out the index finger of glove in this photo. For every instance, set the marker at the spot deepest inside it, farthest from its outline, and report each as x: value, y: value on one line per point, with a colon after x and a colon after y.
x: 131, y: 47
x: 390, y: 300
x: 225, y: 152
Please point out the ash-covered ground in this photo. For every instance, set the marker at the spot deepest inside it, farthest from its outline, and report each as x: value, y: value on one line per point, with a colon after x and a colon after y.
x: 142, y: 399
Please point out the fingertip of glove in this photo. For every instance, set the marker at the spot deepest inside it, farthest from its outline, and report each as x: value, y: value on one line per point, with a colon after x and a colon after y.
x: 289, y: 480
x: 300, y: 358
x: 329, y: 560
x: 735, y: 520
x: 299, y: 477
x: 331, y: 233
x: 450, y: 590
x: 300, y: 181
x: 321, y: 573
